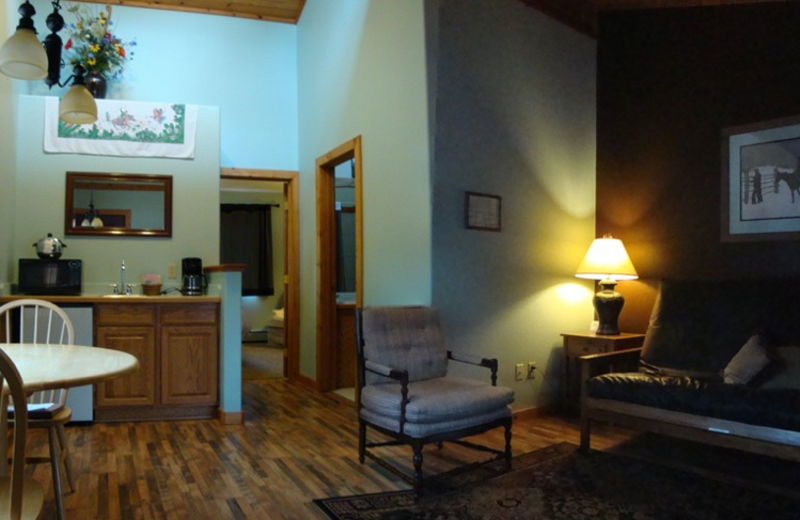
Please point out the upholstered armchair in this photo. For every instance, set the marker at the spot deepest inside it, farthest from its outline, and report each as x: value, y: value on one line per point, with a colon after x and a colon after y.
x: 404, y: 391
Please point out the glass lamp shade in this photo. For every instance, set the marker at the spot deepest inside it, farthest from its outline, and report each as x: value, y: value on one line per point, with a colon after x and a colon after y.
x: 78, y: 106
x: 23, y: 56
x: 607, y: 258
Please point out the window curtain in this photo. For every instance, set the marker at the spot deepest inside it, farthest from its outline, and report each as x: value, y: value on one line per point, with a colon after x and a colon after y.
x: 246, y: 238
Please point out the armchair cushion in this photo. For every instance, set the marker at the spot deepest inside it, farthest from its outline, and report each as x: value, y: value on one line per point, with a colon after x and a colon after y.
x: 404, y: 340
x: 437, y: 400
x: 418, y: 431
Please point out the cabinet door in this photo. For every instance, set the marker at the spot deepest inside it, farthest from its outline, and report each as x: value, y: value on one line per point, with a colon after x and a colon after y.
x: 139, y: 387
x: 189, y: 361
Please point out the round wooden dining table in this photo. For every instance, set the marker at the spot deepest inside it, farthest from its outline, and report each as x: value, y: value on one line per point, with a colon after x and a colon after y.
x: 45, y: 367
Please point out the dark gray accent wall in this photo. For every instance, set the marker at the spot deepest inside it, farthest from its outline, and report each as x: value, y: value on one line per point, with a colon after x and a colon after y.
x: 515, y: 105
x: 669, y: 81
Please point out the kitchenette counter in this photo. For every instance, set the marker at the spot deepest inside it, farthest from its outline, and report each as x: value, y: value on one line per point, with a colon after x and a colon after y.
x: 176, y: 340
x: 114, y: 298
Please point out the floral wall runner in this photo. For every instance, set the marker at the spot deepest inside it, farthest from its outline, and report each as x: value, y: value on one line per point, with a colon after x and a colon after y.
x: 125, y: 128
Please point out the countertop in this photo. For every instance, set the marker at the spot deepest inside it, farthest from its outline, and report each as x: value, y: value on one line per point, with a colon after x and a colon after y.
x: 113, y: 298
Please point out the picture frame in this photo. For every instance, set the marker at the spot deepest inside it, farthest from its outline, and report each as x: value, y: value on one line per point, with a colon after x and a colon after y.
x: 761, y: 181
x: 483, y: 212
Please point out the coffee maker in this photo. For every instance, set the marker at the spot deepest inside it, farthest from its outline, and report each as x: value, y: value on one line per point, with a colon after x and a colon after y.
x: 194, y: 281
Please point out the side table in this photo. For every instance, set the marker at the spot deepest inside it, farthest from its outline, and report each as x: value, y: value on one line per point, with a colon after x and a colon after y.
x: 583, y: 343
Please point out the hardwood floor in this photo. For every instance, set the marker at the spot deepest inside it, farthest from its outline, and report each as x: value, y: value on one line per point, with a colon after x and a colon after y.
x: 296, y: 445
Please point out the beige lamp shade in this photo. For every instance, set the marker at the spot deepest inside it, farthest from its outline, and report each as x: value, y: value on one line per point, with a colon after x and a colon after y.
x: 78, y: 107
x: 23, y: 56
x: 607, y: 258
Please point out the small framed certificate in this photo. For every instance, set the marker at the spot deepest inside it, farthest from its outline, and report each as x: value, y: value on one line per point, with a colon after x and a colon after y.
x: 483, y: 212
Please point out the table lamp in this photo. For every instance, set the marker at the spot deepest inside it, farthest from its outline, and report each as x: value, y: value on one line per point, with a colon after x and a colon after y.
x: 607, y: 261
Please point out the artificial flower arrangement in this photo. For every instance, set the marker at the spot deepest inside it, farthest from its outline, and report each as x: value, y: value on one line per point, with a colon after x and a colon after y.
x: 93, y: 44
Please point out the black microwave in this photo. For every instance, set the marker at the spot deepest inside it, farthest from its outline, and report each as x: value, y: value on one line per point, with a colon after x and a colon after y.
x: 49, y: 276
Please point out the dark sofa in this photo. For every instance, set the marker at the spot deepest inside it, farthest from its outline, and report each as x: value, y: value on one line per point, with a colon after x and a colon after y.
x: 702, y: 334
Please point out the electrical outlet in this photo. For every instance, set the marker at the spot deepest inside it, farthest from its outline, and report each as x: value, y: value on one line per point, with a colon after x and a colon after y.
x: 532, y: 370
x: 519, y: 373
x: 172, y: 271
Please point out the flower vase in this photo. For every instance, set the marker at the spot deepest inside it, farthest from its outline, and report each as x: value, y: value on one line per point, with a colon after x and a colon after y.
x: 97, y: 84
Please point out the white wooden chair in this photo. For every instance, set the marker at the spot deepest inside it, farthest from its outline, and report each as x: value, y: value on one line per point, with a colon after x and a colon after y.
x: 39, y: 321
x: 21, y: 497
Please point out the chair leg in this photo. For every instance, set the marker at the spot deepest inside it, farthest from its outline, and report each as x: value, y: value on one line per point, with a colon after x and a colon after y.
x: 508, y: 444
x: 585, y: 433
x: 65, y: 455
x: 417, y: 447
x: 56, y: 470
x: 362, y: 441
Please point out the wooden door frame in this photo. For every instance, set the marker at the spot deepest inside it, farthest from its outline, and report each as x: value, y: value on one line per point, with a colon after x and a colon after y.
x: 291, y: 180
x: 326, y: 256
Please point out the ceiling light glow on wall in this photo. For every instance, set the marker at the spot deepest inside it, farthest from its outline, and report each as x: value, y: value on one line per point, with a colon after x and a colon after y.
x: 607, y: 261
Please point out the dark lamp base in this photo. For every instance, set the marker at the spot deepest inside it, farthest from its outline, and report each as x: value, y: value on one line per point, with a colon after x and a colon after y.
x: 608, y: 304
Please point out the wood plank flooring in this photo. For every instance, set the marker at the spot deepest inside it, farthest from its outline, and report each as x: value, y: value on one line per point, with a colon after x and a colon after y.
x: 296, y: 445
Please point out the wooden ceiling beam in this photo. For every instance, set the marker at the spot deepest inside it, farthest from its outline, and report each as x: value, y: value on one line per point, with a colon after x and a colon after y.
x: 283, y: 11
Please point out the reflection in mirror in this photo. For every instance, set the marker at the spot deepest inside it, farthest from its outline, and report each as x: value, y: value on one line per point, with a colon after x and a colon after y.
x: 118, y: 204
x: 345, y: 191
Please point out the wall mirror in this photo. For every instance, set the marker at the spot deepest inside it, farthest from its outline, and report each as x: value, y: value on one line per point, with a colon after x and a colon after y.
x: 118, y: 204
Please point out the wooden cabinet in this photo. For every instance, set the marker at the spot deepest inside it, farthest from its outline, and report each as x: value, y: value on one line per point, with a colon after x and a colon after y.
x: 177, y: 345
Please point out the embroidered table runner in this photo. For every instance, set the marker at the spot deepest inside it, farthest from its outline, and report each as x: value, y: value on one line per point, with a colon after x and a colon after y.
x: 125, y: 128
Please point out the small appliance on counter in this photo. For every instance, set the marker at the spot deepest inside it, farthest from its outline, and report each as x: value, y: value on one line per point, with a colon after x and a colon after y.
x: 49, y: 276
x: 194, y: 281
x: 49, y: 247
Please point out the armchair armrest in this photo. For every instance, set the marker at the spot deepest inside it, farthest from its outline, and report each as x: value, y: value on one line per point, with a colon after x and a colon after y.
x: 383, y: 370
x: 605, y: 362
x: 491, y: 364
x: 398, y: 375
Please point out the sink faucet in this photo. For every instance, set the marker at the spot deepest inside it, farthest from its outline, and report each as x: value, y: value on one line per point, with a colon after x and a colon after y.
x: 123, y: 289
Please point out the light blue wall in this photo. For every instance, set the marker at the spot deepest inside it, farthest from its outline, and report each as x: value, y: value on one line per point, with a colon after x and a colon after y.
x: 8, y: 111
x: 247, y: 68
x: 515, y: 117
x: 361, y: 69
x: 39, y: 203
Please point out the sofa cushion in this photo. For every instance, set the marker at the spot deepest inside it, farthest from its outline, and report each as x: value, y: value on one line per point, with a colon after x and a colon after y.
x: 776, y: 408
x: 750, y: 360
x: 701, y: 325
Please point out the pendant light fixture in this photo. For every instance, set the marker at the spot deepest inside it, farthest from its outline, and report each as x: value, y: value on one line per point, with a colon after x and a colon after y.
x: 78, y: 106
x: 92, y: 218
x: 24, y: 57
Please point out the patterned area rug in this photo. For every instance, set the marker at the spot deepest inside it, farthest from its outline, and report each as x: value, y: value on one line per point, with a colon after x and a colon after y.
x: 560, y: 483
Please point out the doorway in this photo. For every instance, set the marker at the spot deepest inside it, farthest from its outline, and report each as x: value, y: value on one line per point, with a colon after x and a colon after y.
x: 289, y: 184
x: 339, y: 264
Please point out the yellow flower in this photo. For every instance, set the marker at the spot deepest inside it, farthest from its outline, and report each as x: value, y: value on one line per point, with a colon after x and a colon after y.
x: 91, y: 61
x: 95, y: 48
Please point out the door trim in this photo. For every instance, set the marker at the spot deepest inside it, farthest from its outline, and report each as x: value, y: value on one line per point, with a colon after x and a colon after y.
x: 292, y: 294
x: 326, y: 255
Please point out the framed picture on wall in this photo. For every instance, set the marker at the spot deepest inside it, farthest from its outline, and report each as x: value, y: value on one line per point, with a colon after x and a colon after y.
x: 761, y: 181
x: 482, y: 211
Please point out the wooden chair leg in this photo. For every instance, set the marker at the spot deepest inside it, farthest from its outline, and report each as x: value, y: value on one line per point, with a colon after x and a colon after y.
x: 362, y: 441
x: 508, y: 444
x: 65, y: 455
x: 585, y: 433
x: 417, y: 447
x: 56, y: 470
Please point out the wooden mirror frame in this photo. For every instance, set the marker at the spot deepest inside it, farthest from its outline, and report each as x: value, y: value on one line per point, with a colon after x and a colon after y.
x: 122, y: 182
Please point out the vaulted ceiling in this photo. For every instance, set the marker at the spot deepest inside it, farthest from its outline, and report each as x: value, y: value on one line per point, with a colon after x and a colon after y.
x: 580, y: 14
